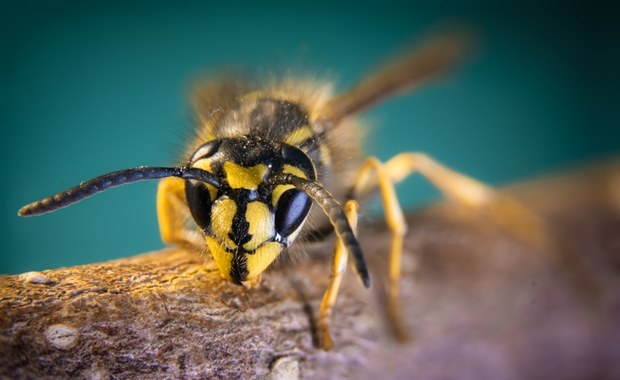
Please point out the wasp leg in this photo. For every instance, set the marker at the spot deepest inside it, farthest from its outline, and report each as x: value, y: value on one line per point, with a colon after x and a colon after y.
x: 396, y: 223
x: 339, y: 265
x: 503, y: 210
x: 509, y: 214
x: 464, y: 190
x: 172, y: 214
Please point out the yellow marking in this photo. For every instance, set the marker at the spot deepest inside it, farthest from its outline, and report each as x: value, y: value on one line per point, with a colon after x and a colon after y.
x: 171, y: 204
x: 212, y: 191
x: 261, y: 258
x: 222, y: 215
x: 277, y: 193
x: 240, y: 177
x: 261, y: 224
x: 222, y: 258
x: 297, y: 136
x: 294, y: 170
x: 205, y: 164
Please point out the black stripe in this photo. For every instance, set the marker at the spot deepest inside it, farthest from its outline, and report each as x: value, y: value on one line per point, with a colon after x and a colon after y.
x: 239, y: 267
x: 276, y: 118
x: 240, y: 225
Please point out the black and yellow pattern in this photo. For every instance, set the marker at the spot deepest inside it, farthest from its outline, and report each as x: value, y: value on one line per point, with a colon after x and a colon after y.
x: 248, y: 219
x: 263, y: 154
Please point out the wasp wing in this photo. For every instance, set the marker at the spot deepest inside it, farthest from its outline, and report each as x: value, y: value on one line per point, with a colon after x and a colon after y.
x: 429, y: 60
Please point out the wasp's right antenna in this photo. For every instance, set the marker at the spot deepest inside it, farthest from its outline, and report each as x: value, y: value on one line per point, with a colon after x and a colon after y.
x: 109, y: 180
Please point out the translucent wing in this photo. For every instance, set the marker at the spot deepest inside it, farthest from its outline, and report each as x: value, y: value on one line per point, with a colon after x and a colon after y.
x: 429, y: 60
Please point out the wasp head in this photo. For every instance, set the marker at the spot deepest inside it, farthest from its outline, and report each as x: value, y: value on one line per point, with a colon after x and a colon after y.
x: 248, y: 219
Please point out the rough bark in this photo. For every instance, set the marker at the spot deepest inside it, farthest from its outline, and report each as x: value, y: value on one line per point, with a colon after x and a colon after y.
x: 479, y: 304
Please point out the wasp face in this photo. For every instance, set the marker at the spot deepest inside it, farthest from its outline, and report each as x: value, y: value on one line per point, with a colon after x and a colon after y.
x: 248, y: 220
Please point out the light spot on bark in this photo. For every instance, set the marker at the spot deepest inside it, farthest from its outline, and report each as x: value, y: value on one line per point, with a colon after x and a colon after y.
x: 62, y: 336
x: 285, y: 368
x: 35, y: 278
x: 98, y: 372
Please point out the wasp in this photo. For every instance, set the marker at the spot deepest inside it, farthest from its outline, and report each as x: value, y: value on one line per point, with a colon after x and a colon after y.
x: 263, y: 154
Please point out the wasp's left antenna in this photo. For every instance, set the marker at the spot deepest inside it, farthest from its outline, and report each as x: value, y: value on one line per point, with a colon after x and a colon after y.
x: 336, y: 215
x: 109, y: 180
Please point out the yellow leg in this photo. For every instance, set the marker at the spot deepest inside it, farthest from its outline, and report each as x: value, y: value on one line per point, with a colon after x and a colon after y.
x: 396, y: 223
x: 466, y: 191
x: 339, y: 265
x: 501, y: 208
x: 173, y: 214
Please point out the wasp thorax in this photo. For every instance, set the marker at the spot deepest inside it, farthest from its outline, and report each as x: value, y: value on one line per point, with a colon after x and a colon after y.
x: 248, y: 220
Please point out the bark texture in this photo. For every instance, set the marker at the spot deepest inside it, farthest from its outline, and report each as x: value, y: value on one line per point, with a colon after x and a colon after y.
x: 478, y: 304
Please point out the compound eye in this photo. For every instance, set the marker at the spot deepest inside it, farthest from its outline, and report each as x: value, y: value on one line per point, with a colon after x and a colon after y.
x: 206, y: 150
x: 199, y: 202
x: 291, y: 211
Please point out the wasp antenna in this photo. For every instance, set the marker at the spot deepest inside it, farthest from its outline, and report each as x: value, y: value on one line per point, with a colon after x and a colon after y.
x: 337, y: 217
x: 109, y: 180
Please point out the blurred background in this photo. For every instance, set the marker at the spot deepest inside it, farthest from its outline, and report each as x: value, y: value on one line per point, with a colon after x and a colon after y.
x: 90, y: 87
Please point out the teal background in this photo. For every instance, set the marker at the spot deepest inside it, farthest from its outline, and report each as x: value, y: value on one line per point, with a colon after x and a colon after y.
x: 90, y: 87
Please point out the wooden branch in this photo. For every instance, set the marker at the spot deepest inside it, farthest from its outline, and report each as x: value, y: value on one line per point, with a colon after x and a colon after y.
x: 478, y: 303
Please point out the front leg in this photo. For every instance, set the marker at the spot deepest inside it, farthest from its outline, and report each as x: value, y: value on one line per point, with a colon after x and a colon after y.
x: 339, y: 266
x: 173, y: 215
